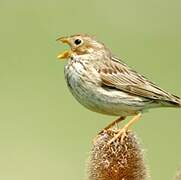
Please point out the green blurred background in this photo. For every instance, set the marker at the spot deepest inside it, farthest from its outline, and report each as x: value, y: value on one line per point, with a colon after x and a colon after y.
x: 44, y: 133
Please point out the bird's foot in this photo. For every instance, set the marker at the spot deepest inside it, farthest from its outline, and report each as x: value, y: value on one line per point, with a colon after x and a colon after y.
x: 122, y: 132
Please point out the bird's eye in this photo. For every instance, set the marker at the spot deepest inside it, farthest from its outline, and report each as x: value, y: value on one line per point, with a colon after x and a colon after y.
x: 77, y: 41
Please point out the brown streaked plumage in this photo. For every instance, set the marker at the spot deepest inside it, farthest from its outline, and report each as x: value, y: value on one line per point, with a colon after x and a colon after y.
x: 123, y: 78
x: 103, y: 83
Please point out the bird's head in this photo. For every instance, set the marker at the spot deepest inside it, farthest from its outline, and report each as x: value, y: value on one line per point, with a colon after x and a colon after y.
x: 80, y: 44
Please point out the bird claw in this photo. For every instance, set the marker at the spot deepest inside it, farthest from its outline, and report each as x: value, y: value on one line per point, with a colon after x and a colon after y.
x: 122, y: 133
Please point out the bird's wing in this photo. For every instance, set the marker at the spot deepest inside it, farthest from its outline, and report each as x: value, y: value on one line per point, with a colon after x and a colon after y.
x: 115, y: 73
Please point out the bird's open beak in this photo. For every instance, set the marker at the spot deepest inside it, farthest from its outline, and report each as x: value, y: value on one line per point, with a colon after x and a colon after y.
x: 65, y: 54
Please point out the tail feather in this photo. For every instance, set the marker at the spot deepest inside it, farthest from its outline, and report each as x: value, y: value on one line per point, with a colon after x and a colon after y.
x: 177, y: 100
x: 174, y: 101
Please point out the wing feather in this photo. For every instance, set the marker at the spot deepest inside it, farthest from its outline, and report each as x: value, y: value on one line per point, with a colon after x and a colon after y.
x: 117, y: 74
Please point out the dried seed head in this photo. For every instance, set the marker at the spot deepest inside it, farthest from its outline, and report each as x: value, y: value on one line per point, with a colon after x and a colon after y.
x: 116, y: 161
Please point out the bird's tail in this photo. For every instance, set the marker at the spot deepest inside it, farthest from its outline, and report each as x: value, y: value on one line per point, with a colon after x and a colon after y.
x: 174, y: 101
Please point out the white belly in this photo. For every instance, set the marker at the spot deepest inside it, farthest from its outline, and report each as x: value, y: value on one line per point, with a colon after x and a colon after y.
x: 99, y: 99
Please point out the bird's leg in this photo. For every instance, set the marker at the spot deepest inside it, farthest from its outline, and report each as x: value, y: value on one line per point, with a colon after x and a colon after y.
x: 109, y: 126
x: 122, y: 132
x: 113, y: 124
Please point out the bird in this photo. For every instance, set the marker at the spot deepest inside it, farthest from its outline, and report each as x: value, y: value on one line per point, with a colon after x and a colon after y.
x: 105, y: 84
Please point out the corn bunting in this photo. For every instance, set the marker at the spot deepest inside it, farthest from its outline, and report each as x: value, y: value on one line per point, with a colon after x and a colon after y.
x: 105, y: 84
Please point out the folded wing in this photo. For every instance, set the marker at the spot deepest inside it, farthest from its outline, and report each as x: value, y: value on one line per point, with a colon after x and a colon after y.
x: 116, y: 74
